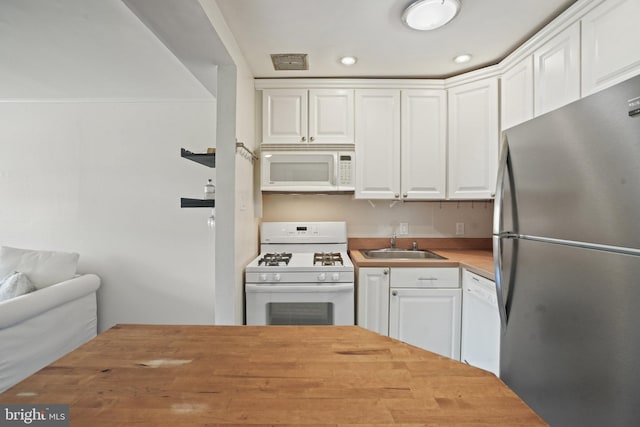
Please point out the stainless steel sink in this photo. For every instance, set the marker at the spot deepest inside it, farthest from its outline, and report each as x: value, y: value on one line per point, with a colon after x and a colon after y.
x: 395, y: 253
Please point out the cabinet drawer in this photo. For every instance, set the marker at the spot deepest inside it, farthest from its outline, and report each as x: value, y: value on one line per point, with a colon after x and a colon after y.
x: 425, y: 277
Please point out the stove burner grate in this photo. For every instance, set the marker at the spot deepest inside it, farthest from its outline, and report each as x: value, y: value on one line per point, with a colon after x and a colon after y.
x: 275, y: 259
x: 327, y: 258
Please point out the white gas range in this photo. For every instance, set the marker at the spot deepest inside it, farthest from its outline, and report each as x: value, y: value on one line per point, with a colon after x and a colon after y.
x: 303, y: 276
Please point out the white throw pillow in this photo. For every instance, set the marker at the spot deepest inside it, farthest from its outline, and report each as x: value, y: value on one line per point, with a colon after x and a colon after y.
x: 44, y: 268
x: 15, y: 285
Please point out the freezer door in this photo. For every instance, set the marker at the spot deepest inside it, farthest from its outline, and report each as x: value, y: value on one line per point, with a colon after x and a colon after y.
x: 571, y: 344
x: 576, y: 171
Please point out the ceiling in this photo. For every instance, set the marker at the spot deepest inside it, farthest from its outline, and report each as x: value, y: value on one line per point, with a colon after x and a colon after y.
x: 89, y: 49
x: 372, y: 31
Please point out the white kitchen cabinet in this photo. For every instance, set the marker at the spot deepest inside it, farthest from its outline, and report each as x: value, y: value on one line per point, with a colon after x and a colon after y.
x: 401, y: 144
x: 300, y: 116
x: 377, y: 145
x: 610, y: 51
x: 480, y: 338
x: 473, y: 139
x: 516, y: 94
x: 373, y: 299
x: 425, y: 309
x: 423, y: 144
x: 556, y: 71
x: 284, y: 116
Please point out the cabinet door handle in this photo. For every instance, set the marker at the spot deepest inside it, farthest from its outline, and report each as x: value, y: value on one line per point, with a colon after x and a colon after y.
x: 312, y: 139
x: 405, y: 195
x: 304, y: 138
x: 386, y: 272
x: 427, y: 278
x: 394, y: 293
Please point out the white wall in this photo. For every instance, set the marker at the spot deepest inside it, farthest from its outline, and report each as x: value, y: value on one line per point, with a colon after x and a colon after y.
x: 426, y: 219
x: 247, y: 222
x: 243, y: 243
x: 94, y: 111
x: 105, y: 180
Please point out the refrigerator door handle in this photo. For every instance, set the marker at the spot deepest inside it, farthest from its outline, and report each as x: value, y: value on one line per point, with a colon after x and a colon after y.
x: 499, y: 197
x: 500, y: 284
x: 498, y: 234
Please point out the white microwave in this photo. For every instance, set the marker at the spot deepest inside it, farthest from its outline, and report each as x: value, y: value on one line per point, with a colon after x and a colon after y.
x: 307, y: 171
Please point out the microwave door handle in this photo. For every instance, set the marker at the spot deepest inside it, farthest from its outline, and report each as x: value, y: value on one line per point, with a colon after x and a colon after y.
x: 336, y: 170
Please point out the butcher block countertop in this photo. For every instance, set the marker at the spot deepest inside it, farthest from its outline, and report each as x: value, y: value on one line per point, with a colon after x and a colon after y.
x: 157, y: 375
x: 473, y: 254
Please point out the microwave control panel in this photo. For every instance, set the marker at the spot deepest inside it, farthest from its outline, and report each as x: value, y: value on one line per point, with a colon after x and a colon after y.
x: 345, y: 165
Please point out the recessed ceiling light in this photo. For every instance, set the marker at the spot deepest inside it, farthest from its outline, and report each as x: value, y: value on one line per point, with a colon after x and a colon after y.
x: 430, y: 14
x: 348, y: 60
x: 461, y: 59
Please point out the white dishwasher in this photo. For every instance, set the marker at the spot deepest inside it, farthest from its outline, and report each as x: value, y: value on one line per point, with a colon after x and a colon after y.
x: 480, y: 335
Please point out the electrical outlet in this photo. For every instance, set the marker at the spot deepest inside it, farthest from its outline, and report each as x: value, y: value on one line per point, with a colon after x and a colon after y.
x: 404, y: 228
x: 459, y: 228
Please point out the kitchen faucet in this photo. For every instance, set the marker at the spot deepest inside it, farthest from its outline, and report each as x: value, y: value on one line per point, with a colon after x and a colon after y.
x: 393, y: 240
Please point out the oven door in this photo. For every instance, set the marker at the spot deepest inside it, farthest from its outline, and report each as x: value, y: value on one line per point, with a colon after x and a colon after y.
x: 303, y: 304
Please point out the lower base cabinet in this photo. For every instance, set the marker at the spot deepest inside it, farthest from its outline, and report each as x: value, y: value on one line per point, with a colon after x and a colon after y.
x: 419, y: 306
x: 373, y: 299
x: 427, y: 318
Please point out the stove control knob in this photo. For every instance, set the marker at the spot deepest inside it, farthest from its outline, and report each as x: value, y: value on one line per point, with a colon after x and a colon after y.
x: 335, y: 277
x: 263, y: 277
x: 322, y: 277
x: 276, y: 277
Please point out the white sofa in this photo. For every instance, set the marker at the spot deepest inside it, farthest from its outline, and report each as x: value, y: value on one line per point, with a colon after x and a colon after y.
x: 41, y: 326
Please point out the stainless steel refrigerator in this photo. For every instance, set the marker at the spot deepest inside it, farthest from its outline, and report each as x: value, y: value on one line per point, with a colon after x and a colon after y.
x: 567, y: 254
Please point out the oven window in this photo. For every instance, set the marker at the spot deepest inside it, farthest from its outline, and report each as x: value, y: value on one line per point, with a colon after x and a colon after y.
x: 300, y: 313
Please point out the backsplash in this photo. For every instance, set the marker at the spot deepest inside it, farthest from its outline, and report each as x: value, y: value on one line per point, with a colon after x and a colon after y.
x: 383, y: 217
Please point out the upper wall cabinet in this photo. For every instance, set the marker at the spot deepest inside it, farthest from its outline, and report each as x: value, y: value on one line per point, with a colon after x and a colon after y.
x: 557, y: 71
x: 401, y: 144
x: 516, y: 94
x: 610, y: 51
x: 378, y: 143
x: 300, y: 116
x: 473, y: 139
x: 423, y: 144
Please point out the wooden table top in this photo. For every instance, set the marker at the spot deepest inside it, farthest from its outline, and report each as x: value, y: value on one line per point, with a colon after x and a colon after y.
x: 154, y: 375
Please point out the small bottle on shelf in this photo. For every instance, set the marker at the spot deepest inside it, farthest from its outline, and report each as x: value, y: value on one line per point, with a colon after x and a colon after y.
x: 209, y: 190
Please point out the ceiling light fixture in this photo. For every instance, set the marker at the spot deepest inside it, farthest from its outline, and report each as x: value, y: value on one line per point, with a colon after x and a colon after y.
x: 348, y: 60
x: 430, y: 14
x: 461, y: 59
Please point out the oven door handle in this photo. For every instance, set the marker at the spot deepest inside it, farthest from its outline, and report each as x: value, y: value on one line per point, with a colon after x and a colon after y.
x: 310, y: 288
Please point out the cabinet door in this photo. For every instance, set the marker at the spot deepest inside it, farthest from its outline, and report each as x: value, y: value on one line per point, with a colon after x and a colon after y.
x: 473, y: 140
x: 610, y: 51
x: 331, y: 116
x: 284, y: 116
x: 377, y: 144
x: 373, y: 299
x: 423, y: 144
x: 516, y: 94
x: 427, y: 318
x: 557, y: 71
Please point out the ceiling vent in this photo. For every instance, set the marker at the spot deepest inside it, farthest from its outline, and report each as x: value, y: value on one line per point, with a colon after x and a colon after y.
x: 289, y: 61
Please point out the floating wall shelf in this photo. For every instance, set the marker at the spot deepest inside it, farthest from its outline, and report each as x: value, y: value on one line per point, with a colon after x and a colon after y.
x: 207, y: 159
x: 197, y: 203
